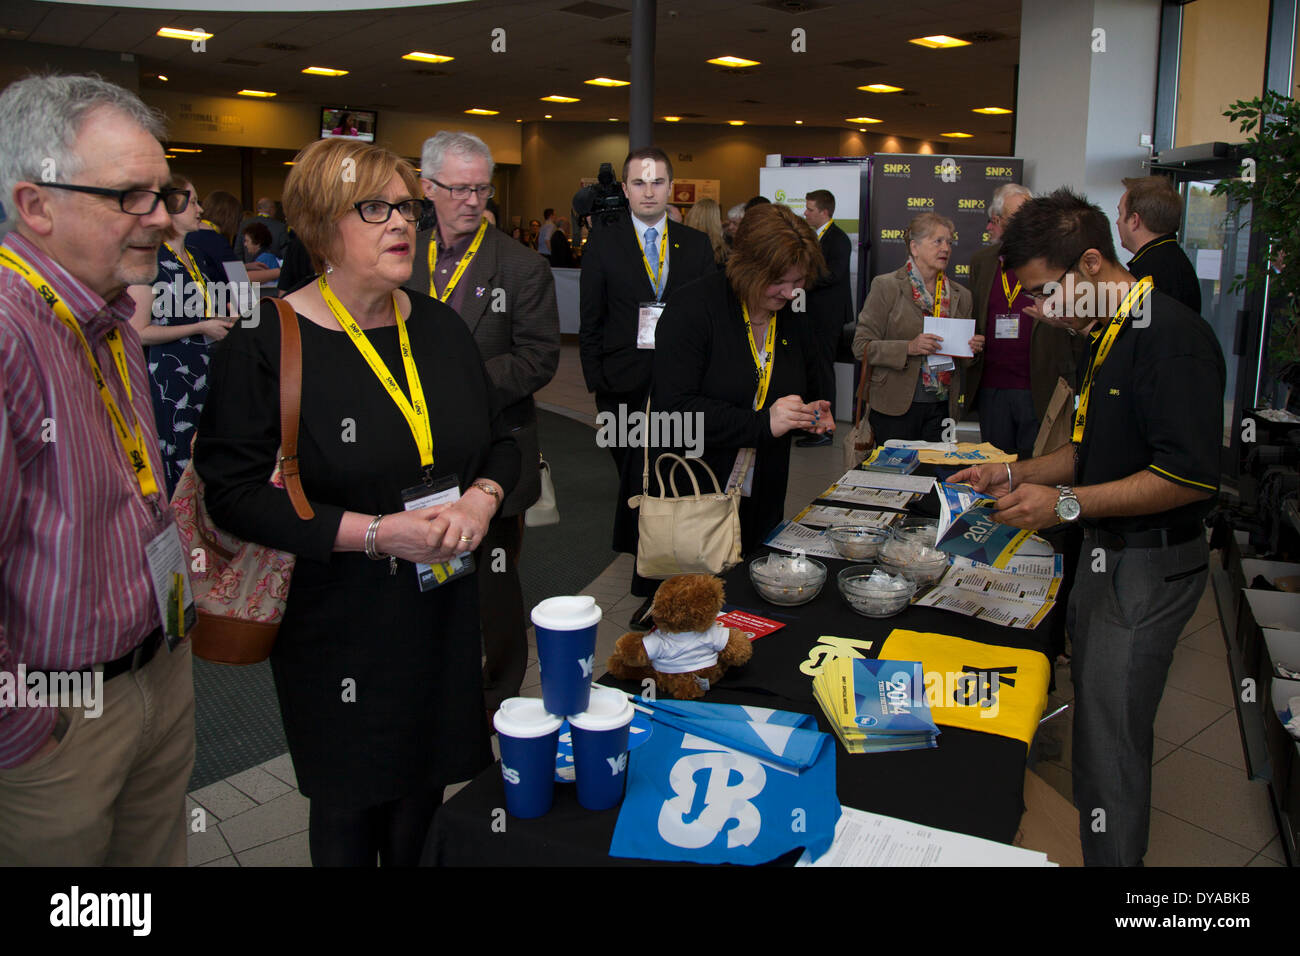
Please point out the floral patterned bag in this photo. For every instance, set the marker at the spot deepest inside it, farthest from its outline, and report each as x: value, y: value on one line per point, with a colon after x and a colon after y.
x: 240, y: 587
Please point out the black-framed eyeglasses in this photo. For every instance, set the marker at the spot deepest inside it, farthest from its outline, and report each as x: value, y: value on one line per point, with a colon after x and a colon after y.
x: 135, y: 202
x: 460, y: 192
x: 377, y: 210
x: 1039, y: 295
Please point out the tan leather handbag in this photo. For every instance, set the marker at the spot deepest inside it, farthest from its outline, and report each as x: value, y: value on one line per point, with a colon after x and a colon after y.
x: 685, y: 534
x: 860, y: 440
x: 241, y: 588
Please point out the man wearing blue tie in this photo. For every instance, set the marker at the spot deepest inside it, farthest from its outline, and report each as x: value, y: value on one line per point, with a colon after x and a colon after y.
x: 630, y: 267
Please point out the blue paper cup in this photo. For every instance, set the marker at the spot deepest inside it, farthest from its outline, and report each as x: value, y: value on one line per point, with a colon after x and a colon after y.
x: 566, y: 651
x: 600, y: 748
x: 528, y: 736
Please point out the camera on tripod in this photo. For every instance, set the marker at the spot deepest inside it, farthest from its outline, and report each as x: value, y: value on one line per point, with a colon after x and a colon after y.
x: 604, y: 201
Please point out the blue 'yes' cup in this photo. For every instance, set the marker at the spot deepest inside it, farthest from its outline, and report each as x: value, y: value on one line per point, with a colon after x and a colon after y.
x: 600, y: 736
x: 528, y: 736
x: 566, y: 651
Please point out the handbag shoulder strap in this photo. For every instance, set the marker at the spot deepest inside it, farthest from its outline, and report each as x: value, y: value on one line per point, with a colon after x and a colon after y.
x: 864, y: 388
x: 291, y: 406
x: 645, y: 469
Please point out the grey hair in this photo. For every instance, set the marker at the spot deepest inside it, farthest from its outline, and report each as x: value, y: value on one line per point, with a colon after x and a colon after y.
x: 41, y: 117
x: 1005, y: 192
x: 464, y: 145
x: 736, y: 212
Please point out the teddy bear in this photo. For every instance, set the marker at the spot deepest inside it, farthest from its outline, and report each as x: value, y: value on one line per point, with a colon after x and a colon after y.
x: 687, y: 651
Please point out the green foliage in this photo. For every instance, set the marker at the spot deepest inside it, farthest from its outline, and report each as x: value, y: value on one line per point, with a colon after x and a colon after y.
x: 1271, y: 184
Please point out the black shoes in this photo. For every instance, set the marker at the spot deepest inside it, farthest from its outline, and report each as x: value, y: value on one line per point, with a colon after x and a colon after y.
x: 641, y: 617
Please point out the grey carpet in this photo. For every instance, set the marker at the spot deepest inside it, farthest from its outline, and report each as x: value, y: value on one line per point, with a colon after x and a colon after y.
x: 237, y: 717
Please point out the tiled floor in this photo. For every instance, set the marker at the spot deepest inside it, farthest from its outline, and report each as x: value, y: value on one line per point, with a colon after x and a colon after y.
x: 1204, y: 812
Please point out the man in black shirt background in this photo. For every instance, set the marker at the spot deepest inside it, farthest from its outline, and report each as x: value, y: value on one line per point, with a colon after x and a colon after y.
x: 830, y: 303
x: 1140, y: 474
x: 1149, y: 213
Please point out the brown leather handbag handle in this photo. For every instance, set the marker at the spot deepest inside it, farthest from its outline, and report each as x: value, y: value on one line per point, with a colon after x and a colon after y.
x: 862, y: 395
x: 291, y: 406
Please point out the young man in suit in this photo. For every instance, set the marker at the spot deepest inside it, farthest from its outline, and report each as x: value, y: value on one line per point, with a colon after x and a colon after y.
x: 629, y: 269
x: 830, y: 304
x: 520, y: 345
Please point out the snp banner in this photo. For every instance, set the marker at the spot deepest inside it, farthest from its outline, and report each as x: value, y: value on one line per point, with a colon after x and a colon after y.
x: 903, y: 185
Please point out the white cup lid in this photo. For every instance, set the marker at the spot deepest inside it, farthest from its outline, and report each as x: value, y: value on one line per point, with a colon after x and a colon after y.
x: 567, y: 613
x: 525, y: 717
x: 607, y: 710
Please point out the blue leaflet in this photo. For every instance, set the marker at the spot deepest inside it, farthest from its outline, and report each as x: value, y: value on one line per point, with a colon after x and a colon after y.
x: 692, y: 799
x: 890, y: 697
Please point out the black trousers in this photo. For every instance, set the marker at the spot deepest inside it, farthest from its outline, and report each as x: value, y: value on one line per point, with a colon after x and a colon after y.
x: 632, y: 401
x: 391, y: 834
x: 501, y: 609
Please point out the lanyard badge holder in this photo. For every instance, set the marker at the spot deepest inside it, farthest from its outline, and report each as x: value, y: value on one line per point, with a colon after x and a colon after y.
x: 1007, y: 324
x: 648, y: 313
x: 168, y: 569
x: 432, y: 491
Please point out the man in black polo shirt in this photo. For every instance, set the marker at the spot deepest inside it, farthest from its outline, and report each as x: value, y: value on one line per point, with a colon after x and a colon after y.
x: 1140, y: 475
x: 1149, y: 213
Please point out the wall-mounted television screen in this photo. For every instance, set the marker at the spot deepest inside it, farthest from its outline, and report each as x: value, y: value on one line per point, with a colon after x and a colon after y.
x: 339, y: 123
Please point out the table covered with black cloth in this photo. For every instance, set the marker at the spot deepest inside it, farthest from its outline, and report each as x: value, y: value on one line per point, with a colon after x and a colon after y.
x: 973, y: 782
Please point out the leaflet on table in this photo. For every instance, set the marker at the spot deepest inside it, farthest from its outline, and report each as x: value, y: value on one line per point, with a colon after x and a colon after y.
x: 753, y: 625
x: 986, y: 580
x: 879, y: 479
x: 792, y: 536
x: 871, y: 839
x: 968, y: 528
x: 828, y: 516
x: 993, y: 608
x: 894, y: 461
x: 1032, y: 565
x: 872, y: 497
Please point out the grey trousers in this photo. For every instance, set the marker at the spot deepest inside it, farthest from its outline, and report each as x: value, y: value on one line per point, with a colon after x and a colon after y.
x: 1126, y: 611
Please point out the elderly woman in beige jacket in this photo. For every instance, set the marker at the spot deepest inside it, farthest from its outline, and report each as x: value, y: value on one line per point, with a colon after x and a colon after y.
x: 910, y: 398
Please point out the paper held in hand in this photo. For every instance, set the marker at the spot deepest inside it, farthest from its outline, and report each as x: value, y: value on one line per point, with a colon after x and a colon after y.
x: 956, y: 335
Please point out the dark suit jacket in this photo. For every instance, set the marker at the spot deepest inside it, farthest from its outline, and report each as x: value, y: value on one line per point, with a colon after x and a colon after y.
x: 830, y: 304
x: 614, y: 283
x: 520, y: 345
x: 1053, y: 352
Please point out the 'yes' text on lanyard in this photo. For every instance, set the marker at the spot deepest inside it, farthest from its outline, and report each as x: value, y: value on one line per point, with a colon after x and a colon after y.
x: 763, y: 365
x: 414, y: 411
x: 461, y: 266
x: 1136, y: 296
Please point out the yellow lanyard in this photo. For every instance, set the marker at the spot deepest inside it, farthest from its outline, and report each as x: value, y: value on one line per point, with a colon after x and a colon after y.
x: 192, y: 269
x: 1133, y: 300
x: 461, y: 266
x: 656, y: 284
x: 764, y: 366
x: 938, y: 293
x: 822, y: 231
x: 414, y: 411
x: 131, y: 439
x: 1006, y: 288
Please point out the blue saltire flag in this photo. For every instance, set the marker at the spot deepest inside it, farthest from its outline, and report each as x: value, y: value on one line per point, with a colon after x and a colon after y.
x: 762, y: 715
x: 693, y: 799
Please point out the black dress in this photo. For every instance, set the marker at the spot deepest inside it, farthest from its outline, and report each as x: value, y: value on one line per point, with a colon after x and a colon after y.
x: 702, y: 363
x: 379, y: 684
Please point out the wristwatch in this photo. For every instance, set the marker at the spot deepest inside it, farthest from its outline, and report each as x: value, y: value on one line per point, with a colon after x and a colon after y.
x: 1067, y: 505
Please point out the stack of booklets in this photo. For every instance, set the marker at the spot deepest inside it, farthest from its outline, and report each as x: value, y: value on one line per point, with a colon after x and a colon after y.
x: 876, y: 706
x: 896, y: 461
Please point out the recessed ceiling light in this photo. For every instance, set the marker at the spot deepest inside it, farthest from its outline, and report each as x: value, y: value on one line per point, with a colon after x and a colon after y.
x: 736, y: 61
x: 428, y: 57
x: 613, y: 119
x: 861, y: 119
x: 174, y: 33
x: 991, y: 110
x: 606, y: 81
x: 161, y: 77
x: 325, y: 71
x: 735, y: 122
x: 798, y: 122
x: 548, y: 116
x: 518, y: 121
x: 476, y: 111
x: 861, y: 129
x: 881, y: 88
x: 178, y: 149
x: 289, y: 162
x: 957, y: 135
x: 939, y: 42
x: 672, y: 119
x: 557, y: 98
x: 261, y: 93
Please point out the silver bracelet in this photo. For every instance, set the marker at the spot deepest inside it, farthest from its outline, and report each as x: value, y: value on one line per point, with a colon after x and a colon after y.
x: 372, y: 533
x: 1008, y: 464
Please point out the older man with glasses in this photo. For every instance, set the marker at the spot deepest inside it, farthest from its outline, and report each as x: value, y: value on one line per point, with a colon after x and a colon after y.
x: 91, y: 557
x: 506, y: 295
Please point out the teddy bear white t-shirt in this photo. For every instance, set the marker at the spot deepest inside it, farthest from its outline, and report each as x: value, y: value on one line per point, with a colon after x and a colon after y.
x: 686, y: 651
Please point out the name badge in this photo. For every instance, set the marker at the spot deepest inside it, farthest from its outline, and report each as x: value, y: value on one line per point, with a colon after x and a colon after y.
x: 1006, y: 327
x: 647, y: 317
x: 742, y: 472
x: 171, y: 584
x: 443, y: 491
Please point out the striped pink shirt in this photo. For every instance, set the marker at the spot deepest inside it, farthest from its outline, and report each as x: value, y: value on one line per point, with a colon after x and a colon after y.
x: 74, y: 582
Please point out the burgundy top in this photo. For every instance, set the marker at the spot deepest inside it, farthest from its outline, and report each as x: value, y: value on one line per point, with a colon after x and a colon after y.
x: 1006, y: 361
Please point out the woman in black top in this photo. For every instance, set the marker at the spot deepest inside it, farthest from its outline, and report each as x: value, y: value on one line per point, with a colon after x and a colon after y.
x: 379, y: 682
x: 709, y: 344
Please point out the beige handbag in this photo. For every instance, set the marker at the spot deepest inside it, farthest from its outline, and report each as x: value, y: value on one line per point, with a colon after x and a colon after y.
x: 685, y: 534
x: 860, y: 440
x: 544, y: 510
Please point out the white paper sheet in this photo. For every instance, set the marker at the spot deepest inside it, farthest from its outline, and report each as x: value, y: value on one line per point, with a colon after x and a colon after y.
x: 956, y: 335
x: 870, y: 839
x: 883, y: 479
x: 871, y: 497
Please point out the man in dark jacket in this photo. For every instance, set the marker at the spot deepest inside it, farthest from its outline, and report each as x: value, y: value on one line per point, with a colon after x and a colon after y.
x: 830, y: 304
